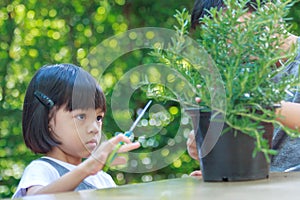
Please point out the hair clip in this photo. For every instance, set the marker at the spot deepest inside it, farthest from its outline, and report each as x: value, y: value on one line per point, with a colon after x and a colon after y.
x: 45, y: 100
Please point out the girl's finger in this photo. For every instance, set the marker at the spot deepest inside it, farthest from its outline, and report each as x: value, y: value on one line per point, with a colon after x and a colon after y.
x: 119, y: 160
x: 120, y: 138
x: 129, y: 147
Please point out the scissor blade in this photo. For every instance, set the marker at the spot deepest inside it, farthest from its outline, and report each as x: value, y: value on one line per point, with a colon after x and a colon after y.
x: 140, y: 116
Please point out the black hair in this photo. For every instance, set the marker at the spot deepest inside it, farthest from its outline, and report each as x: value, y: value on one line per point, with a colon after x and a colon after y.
x: 202, y: 8
x: 53, y: 87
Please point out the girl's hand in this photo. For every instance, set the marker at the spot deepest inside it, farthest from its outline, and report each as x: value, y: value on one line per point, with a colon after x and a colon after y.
x: 99, y: 156
x: 191, y: 146
x: 119, y: 160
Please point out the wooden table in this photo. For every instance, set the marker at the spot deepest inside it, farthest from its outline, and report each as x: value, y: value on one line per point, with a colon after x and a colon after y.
x: 279, y: 186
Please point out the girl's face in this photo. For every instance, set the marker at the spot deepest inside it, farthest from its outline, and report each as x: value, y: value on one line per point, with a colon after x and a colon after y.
x: 79, y: 132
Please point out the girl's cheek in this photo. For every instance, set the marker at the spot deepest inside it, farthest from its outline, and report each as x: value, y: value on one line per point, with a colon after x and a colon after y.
x: 99, y: 137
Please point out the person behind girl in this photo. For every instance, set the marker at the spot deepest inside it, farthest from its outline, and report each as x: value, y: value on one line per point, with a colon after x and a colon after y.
x: 62, y: 119
x: 288, y: 157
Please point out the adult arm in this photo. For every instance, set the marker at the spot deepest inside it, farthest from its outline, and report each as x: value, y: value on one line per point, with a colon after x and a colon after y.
x: 289, y: 114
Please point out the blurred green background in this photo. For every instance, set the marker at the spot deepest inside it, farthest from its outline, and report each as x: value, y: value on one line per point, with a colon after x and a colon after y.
x: 34, y: 33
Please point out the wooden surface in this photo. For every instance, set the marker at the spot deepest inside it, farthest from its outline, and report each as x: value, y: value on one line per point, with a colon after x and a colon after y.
x: 283, y: 186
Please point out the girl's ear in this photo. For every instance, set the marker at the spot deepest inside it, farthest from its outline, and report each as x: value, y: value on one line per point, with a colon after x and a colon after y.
x: 52, y: 120
x: 51, y: 124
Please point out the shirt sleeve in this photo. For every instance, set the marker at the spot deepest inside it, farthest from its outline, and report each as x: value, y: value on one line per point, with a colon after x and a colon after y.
x: 36, y: 173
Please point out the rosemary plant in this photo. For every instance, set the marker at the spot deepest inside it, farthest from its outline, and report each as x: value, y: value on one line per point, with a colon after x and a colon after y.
x: 246, y: 53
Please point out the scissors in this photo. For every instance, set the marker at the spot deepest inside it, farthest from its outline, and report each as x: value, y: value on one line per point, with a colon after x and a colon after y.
x: 128, y: 134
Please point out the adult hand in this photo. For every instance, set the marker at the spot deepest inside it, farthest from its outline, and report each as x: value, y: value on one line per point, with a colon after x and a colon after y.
x: 191, y: 146
x: 192, y: 150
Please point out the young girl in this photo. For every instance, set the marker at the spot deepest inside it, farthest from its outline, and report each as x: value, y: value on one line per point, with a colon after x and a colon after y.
x: 62, y: 119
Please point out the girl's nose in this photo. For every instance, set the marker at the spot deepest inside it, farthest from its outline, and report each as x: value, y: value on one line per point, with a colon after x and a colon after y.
x: 94, y: 128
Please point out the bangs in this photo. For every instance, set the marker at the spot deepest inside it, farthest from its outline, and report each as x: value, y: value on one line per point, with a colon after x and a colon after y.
x: 86, y: 93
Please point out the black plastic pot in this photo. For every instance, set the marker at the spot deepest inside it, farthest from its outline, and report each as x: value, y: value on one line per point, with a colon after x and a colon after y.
x: 231, y: 158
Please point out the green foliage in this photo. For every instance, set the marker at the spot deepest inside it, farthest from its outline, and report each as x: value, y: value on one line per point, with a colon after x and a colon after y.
x: 245, y: 49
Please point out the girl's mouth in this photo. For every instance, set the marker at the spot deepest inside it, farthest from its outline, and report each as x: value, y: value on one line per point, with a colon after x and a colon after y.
x: 92, y: 144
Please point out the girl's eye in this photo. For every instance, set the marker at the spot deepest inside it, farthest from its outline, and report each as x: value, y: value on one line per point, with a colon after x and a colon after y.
x: 81, y: 116
x: 99, y: 118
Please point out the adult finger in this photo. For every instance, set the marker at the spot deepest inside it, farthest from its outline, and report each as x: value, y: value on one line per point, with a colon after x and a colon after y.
x: 196, y: 173
x: 192, y: 146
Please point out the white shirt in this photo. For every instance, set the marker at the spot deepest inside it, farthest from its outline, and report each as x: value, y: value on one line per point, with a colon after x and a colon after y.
x: 39, y: 172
